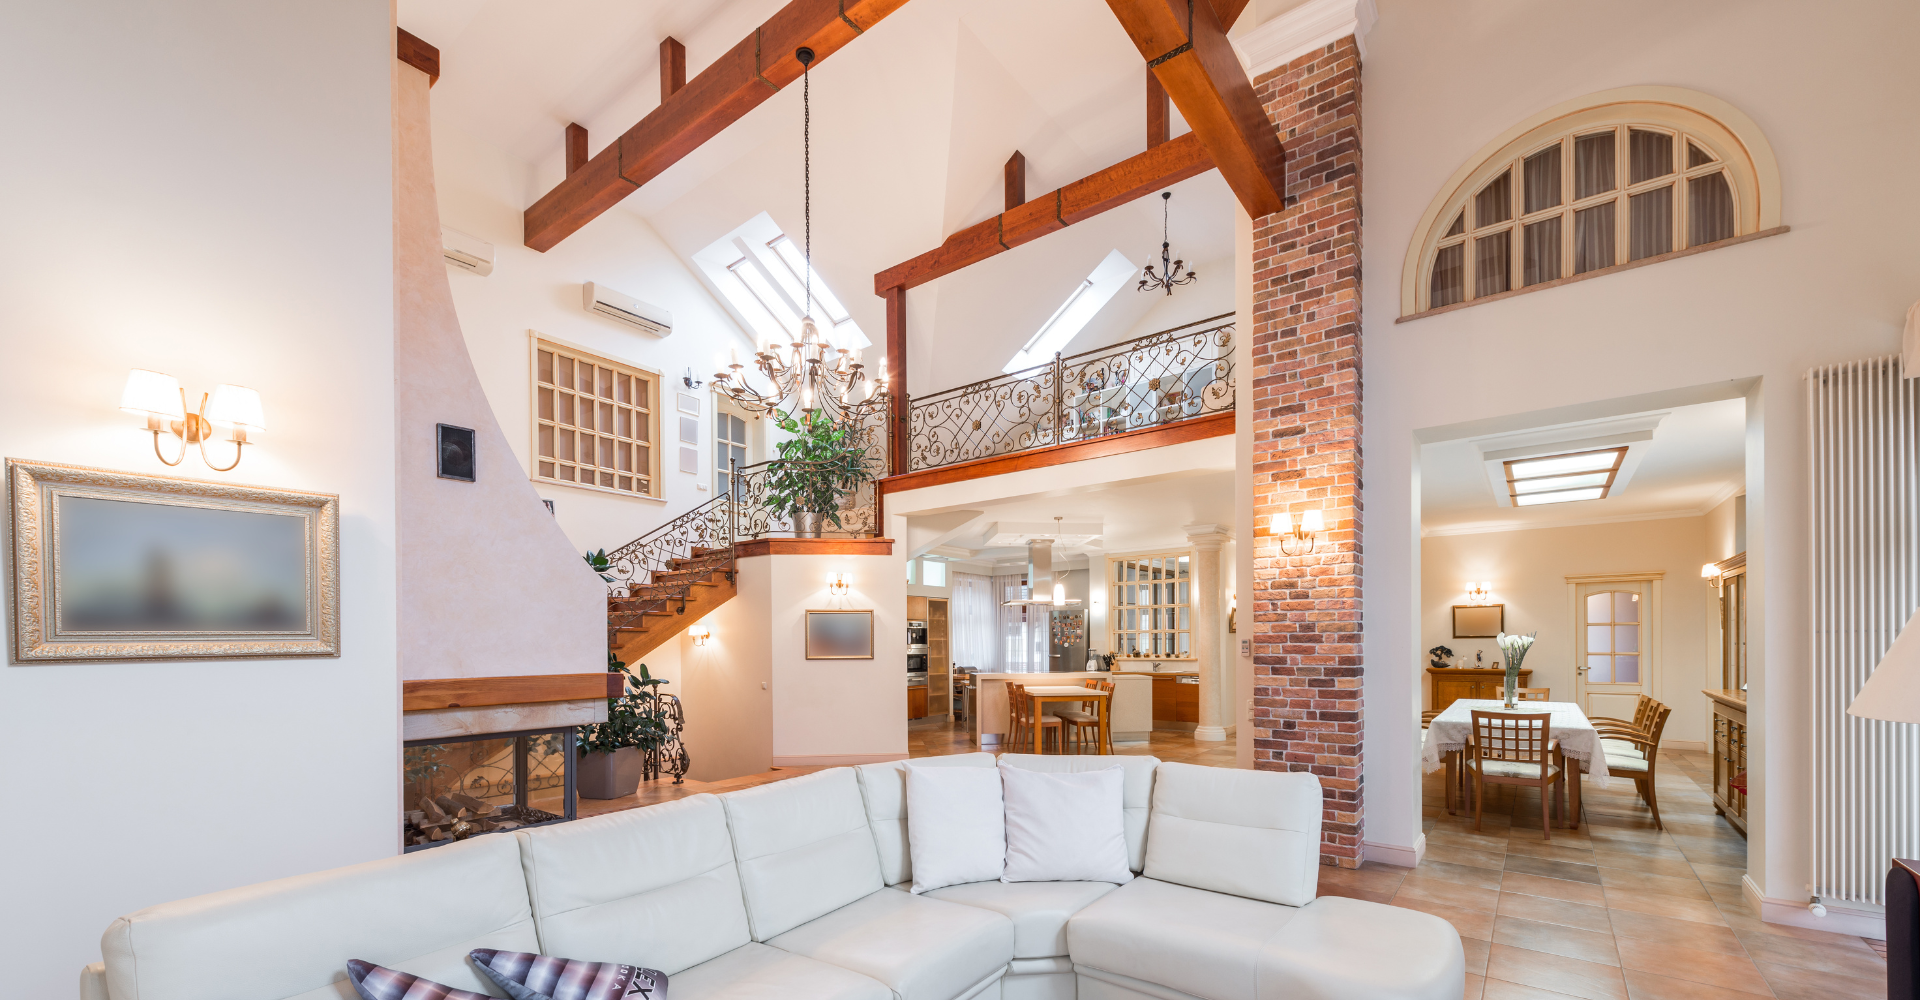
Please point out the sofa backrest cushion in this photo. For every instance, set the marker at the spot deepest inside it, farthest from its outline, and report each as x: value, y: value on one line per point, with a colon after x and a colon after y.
x: 1136, y: 792
x: 653, y: 887
x: 418, y: 913
x: 1248, y: 833
x: 803, y: 848
x: 884, y: 788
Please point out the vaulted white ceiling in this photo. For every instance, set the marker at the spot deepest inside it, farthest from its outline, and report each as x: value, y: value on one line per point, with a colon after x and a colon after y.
x: 912, y: 123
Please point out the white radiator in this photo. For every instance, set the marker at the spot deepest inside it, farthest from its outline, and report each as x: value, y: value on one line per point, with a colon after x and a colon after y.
x: 1864, y: 486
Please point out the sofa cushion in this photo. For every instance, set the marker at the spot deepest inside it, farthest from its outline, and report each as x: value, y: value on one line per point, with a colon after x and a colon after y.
x: 1136, y: 794
x: 419, y: 913
x: 755, y: 971
x: 654, y: 887
x: 526, y: 976
x: 884, y: 789
x: 377, y: 982
x: 921, y: 948
x: 803, y: 848
x: 1249, y: 833
x: 1039, y: 910
x: 955, y: 825
x: 1199, y: 942
x: 1064, y: 826
x: 1338, y: 948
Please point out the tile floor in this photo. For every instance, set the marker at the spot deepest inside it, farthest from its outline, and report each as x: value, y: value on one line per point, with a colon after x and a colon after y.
x: 934, y: 738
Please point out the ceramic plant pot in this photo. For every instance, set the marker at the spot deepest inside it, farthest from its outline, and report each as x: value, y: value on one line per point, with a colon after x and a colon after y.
x: 807, y: 523
x: 609, y: 775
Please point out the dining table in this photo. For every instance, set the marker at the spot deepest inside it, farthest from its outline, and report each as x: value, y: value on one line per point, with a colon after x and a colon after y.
x: 1103, y: 701
x: 1578, y: 740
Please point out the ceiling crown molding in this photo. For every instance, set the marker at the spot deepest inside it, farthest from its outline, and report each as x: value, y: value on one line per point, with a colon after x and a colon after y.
x: 1299, y: 31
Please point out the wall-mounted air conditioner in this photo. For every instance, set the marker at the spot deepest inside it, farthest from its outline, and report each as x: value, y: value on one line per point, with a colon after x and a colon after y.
x: 468, y: 253
x: 628, y: 310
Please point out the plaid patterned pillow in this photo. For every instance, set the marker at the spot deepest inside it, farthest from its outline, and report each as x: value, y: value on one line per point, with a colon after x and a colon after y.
x: 379, y: 983
x: 543, y: 977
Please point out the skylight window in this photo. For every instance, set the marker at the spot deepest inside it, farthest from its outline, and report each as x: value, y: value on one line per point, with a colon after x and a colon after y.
x: 1583, y: 475
x: 761, y: 272
x: 1083, y: 303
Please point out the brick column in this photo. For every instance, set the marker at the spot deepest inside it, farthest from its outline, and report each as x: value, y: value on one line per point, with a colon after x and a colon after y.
x: 1305, y: 354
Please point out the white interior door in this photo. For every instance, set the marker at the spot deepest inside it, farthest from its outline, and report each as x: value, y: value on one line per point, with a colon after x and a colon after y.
x: 1612, y: 646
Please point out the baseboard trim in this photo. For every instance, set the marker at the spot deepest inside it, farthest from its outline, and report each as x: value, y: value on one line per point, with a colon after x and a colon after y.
x: 1396, y: 854
x: 1841, y: 918
x: 836, y: 759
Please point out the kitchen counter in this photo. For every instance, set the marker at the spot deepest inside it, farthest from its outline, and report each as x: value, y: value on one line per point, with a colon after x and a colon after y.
x: 1132, y: 702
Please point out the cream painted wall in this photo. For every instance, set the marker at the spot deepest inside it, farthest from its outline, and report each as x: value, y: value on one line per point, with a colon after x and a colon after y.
x: 1529, y: 571
x: 483, y: 191
x: 1723, y: 524
x: 245, y: 235
x: 726, y: 685
x: 836, y: 711
x: 1763, y: 311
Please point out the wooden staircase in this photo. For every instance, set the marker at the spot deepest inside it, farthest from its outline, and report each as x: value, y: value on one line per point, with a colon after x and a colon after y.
x: 673, y: 598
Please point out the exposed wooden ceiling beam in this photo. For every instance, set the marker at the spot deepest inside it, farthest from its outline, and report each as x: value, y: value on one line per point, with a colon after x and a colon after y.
x: 720, y: 95
x: 1159, y: 113
x: 673, y: 67
x: 1016, y: 178
x: 1228, y: 11
x: 418, y: 54
x: 1168, y: 163
x: 576, y: 147
x: 1186, y: 47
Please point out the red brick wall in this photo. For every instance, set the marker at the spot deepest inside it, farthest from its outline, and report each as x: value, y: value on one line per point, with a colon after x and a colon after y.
x: 1306, y: 455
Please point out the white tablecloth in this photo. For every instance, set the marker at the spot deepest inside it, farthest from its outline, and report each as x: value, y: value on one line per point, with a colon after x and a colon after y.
x: 1578, y: 740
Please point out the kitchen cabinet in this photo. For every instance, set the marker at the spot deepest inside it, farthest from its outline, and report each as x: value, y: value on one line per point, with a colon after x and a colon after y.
x: 1730, y: 755
x: 1176, y: 701
x: 1450, y: 684
x: 939, y: 658
x: 916, y: 703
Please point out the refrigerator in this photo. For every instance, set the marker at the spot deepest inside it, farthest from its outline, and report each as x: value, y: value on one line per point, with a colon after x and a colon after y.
x: 1067, y: 640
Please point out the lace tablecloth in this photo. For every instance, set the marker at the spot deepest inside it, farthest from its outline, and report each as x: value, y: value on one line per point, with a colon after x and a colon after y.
x: 1578, y: 740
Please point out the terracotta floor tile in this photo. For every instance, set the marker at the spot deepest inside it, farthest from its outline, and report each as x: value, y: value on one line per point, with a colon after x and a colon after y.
x: 1554, y: 851
x: 1352, y: 892
x: 1489, y: 841
x: 1474, y: 924
x: 1554, y: 869
x: 1556, y: 888
x: 1794, y: 983
x: 1476, y: 949
x: 1363, y: 878
x: 1558, y: 911
x: 1745, y: 923
x: 1664, y: 906
x: 1556, y: 939
x: 1647, y: 986
x: 1687, y: 933
x: 1555, y: 973
x: 1648, y: 838
x: 1726, y: 895
x: 1734, y: 972
x: 1453, y: 854
x: 1621, y: 878
x: 1497, y: 989
x: 1719, y: 873
x: 1672, y: 867
x: 1476, y: 987
x: 1446, y: 871
x: 1855, y: 962
x: 1472, y: 897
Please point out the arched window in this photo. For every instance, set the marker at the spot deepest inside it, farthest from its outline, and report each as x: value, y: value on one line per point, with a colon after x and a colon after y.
x: 1618, y: 179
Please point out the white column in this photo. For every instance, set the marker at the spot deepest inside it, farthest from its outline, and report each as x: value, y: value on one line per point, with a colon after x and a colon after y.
x: 1209, y: 619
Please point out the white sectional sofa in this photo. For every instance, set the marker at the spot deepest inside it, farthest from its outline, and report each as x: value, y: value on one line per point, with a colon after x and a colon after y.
x: 797, y: 889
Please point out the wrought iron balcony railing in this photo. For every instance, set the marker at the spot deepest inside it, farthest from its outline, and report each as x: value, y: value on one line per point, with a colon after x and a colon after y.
x: 1152, y: 381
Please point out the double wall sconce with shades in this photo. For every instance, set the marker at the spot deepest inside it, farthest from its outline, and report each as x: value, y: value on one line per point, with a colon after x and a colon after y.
x: 1479, y: 593
x: 700, y: 634
x: 1301, y: 539
x: 160, y: 399
x: 838, y: 585
x: 1712, y: 574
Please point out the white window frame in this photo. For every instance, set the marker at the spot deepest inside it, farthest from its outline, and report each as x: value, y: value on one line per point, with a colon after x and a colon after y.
x: 543, y: 468
x: 1117, y: 609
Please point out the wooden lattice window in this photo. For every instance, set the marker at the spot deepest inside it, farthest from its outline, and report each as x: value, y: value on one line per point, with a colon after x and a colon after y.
x: 1152, y: 600
x: 595, y: 422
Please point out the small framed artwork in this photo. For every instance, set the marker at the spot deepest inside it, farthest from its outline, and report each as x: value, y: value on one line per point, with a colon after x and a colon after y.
x: 1479, y: 621
x: 840, y: 635
x: 689, y: 430
x: 455, y: 453
x: 121, y: 566
x: 687, y: 403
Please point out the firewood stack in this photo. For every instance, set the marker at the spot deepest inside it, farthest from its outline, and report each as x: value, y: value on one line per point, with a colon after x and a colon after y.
x: 457, y: 816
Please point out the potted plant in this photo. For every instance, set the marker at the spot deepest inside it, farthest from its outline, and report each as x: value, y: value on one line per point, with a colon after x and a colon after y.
x: 816, y: 468
x: 611, y: 752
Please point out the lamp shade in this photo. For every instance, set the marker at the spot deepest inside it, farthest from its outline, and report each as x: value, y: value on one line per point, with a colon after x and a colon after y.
x: 152, y: 393
x: 236, y: 406
x: 1312, y: 521
x: 1892, y: 691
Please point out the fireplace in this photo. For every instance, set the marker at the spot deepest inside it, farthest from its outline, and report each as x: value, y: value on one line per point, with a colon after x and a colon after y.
x: 458, y: 787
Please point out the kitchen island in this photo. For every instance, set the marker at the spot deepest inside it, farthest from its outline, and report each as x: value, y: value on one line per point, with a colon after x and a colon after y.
x: 1132, y: 702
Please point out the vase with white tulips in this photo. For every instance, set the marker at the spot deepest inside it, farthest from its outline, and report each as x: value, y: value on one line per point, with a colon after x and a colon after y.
x: 1513, y: 649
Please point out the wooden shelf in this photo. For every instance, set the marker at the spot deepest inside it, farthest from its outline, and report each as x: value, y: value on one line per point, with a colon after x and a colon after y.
x: 479, y: 692
x: 813, y: 547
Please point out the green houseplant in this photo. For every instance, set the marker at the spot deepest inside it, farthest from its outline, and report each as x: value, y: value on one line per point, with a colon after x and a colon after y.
x: 816, y: 468
x: 611, y: 752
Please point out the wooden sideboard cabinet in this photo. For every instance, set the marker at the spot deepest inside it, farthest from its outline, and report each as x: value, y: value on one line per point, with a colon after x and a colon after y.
x: 1729, y: 755
x: 1450, y: 684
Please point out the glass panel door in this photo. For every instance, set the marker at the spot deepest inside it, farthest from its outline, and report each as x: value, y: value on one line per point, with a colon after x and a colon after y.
x: 1611, y: 654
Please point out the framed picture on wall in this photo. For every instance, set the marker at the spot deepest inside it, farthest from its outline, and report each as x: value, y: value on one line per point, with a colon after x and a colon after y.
x: 122, y: 566
x: 1479, y: 621
x: 840, y: 635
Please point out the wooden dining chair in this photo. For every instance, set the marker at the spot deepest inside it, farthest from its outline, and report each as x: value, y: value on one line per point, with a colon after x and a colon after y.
x: 1033, y: 727
x: 1642, y: 714
x: 1533, y: 694
x: 1086, y: 718
x: 1644, y: 764
x: 1510, y: 749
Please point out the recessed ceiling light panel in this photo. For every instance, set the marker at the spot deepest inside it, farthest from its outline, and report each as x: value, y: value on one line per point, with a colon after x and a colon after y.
x: 1550, y: 483
x: 1560, y: 496
x: 1582, y: 475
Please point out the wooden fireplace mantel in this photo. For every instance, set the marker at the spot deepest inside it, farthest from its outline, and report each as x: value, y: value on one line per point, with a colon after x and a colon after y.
x: 526, y: 689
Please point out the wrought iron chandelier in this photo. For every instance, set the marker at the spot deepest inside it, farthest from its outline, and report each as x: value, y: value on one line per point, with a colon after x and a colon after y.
x: 1169, y: 275
x: 812, y: 374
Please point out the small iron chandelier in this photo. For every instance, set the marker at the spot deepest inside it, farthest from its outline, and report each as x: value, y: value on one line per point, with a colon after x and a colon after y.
x: 1169, y: 275
x: 815, y: 375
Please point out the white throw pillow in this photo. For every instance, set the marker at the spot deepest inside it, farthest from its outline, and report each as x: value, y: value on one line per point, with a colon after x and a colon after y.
x: 1065, y: 827
x: 956, y: 830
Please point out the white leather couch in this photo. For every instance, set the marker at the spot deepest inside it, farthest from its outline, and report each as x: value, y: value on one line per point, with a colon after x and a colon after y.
x: 796, y: 889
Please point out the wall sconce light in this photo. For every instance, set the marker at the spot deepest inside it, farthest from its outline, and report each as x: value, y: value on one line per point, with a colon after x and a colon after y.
x: 1233, y: 611
x: 1479, y: 593
x: 160, y: 399
x: 1711, y: 573
x: 838, y: 585
x: 700, y: 634
x: 1302, y: 540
